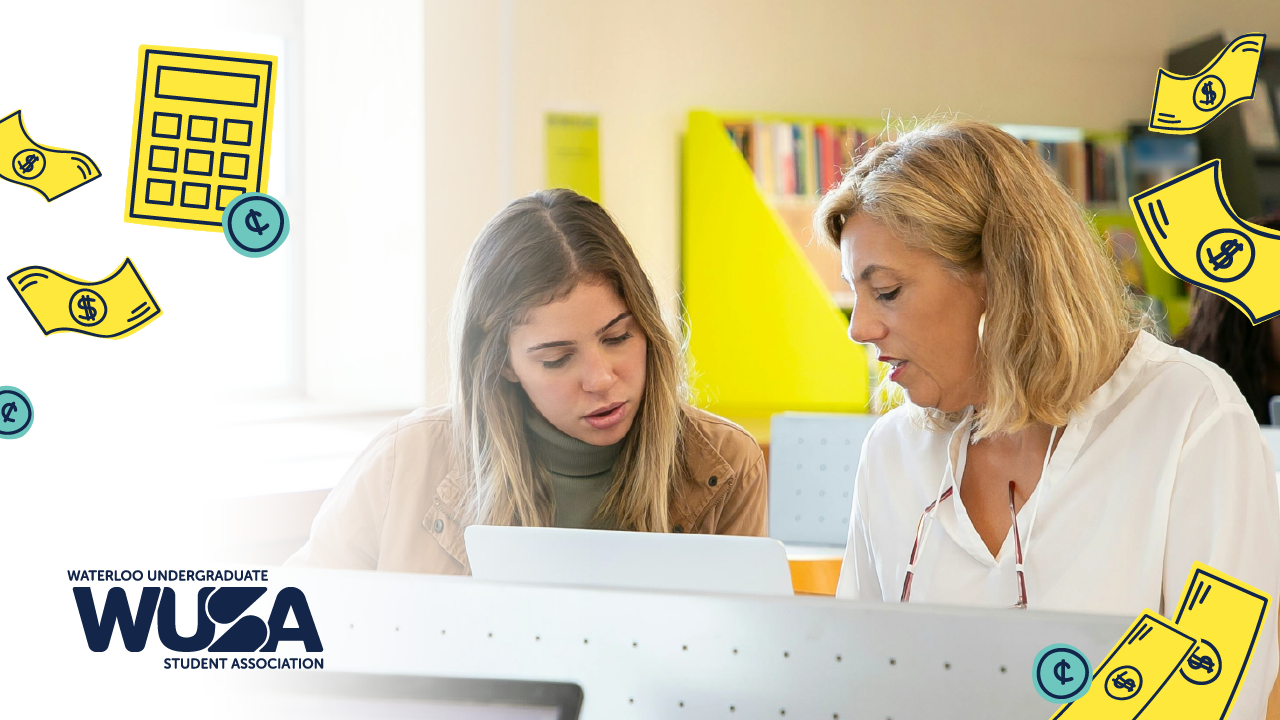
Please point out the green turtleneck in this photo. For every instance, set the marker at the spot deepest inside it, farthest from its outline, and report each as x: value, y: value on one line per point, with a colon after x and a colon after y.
x: 580, y: 472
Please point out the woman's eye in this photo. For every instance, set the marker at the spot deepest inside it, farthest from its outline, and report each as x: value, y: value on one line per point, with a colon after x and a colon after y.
x: 888, y: 295
x: 553, y: 364
x: 618, y: 340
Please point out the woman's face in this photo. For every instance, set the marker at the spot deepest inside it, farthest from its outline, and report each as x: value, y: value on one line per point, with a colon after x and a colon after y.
x: 581, y: 360
x: 921, y: 317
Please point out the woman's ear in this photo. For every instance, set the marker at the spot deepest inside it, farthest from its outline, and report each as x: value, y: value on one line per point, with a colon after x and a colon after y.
x: 510, y: 375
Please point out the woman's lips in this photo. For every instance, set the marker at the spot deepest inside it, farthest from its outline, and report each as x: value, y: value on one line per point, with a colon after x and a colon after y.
x: 608, y: 419
x: 902, y: 365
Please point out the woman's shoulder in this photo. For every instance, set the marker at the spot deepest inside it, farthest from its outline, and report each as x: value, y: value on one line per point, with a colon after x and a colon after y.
x: 425, y: 430
x: 722, y: 435
x: 1179, y: 375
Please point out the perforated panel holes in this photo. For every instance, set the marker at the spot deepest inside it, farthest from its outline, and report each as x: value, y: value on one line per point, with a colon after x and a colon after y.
x: 635, y: 644
x: 684, y: 647
x: 353, y: 627
x: 397, y: 629
x: 846, y: 469
x: 786, y: 654
x: 735, y: 651
x: 732, y: 708
x: 946, y: 666
x: 822, y: 467
x: 798, y: 492
x: 441, y: 632
x: 537, y: 638
x: 822, y: 493
x: 892, y: 661
x: 584, y: 641
x: 1004, y: 669
x: 490, y: 634
x: 681, y: 703
x: 839, y: 658
x: 847, y: 441
x: 824, y: 441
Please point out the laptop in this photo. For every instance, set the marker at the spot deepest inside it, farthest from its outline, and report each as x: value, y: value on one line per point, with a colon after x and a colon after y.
x: 332, y: 695
x: 725, y: 564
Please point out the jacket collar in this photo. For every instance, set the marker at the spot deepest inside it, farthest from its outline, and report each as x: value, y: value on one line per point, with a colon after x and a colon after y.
x: 693, y: 493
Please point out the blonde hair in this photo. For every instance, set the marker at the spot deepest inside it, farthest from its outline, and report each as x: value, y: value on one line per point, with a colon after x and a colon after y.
x: 1059, y: 318
x: 534, y: 252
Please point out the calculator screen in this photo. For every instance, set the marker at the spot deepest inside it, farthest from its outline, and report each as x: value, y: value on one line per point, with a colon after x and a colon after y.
x: 207, y: 86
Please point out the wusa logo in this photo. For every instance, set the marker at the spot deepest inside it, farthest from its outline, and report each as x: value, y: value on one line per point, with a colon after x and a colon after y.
x: 214, y: 607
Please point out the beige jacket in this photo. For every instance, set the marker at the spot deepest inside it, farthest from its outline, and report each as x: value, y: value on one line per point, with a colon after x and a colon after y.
x: 396, y: 508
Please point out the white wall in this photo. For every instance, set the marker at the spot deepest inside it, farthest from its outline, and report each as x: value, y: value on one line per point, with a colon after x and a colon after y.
x: 365, y: 137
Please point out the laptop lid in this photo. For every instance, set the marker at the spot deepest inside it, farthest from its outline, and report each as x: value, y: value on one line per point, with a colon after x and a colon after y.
x: 647, y: 561
x: 333, y: 695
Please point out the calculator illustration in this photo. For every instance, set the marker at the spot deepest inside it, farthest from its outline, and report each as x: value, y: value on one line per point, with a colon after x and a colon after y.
x: 201, y: 135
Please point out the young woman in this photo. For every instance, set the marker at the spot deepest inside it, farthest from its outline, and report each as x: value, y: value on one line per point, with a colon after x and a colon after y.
x: 567, y: 409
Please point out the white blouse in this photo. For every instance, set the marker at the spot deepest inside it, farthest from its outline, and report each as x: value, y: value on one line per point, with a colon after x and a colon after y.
x: 1163, y: 466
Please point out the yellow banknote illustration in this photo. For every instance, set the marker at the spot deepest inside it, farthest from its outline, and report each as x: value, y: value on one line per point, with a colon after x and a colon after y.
x: 1226, y: 617
x: 115, y: 307
x: 202, y: 123
x: 1194, y: 234
x: 1134, y: 672
x: 50, y: 171
x: 1183, y: 104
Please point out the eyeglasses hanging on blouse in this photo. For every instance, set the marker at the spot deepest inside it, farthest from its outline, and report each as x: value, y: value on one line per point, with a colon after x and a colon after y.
x: 931, y: 511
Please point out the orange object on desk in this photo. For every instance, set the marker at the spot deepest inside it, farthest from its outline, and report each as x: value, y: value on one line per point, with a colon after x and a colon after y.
x: 815, y: 576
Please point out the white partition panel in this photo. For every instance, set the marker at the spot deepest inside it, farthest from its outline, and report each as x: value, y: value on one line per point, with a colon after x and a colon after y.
x: 813, y: 458
x: 657, y: 655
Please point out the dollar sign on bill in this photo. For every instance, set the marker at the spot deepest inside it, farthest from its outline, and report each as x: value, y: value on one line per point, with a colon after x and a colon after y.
x: 1223, y: 259
x: 1209, y: 94
x: 253, y: 223
x: 1060, y: 672
x: 1200, y: 661
x: 28, y: 163
x: 6, y: 413
x: 1123, y: 683
x: 85, y: 303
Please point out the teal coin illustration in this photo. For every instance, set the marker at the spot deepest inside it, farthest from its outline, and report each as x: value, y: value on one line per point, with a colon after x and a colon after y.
x: 255, y: 224
x: 16, y: 413
x: 1061, y: 674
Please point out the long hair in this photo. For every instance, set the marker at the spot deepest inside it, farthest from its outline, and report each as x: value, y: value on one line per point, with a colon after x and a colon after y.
x: 533, y: 252
x: 1058, y: 317
x: 1221, y: 333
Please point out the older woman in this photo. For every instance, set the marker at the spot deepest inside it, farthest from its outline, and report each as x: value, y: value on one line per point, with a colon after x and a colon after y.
x: 1051, y: 454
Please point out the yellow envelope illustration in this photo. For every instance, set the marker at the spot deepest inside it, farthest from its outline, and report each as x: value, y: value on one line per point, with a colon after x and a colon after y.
x: 1184, y: 104
x: 115, y: 307
x: 1226, y: 617
x: 52, y: 172
x: 1194, y: 234
x: 1134, y: 672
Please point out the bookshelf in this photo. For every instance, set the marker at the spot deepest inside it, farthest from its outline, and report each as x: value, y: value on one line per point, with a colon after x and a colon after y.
x: 766, y: 307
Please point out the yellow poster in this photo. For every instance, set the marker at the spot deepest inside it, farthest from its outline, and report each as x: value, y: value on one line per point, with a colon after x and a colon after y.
x: 573, y: 152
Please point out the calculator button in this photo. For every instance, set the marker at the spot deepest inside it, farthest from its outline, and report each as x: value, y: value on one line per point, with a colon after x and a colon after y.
x: 195, y: 195
x: 226, y: 194
x: 237, y: 132
x: 199, y: 162
x: 160, y: 192
x: 234, y: 166
x: 202, y: 129
x: 166, y: 125
x: 163, y: 159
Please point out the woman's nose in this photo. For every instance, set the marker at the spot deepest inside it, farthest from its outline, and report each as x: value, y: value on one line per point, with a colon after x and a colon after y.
x: 863, y: 328
x: 598, y: 373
